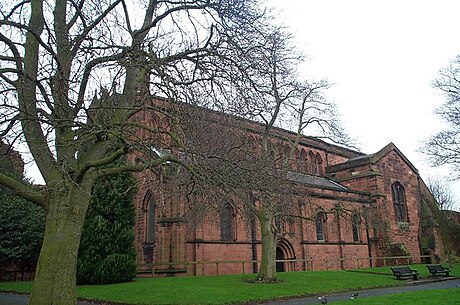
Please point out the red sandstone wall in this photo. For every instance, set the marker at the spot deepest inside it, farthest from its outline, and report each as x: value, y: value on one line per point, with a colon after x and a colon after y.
x: 13, y: 155
x: 378, y: 179
x: 224, y: 253
x: 333, y: 159
x: 178, y: 242
x: 327, y: 256
x: 366, y: 178
x: 394, y: 169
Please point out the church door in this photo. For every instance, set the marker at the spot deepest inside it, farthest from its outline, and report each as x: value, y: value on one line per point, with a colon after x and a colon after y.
x: 279, y: 256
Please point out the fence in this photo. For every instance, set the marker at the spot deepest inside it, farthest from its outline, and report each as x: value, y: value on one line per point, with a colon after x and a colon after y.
x: 17, y: 275
x: 243, y: 267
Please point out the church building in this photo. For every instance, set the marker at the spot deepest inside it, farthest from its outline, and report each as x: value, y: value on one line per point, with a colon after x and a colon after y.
x: 381, y: 193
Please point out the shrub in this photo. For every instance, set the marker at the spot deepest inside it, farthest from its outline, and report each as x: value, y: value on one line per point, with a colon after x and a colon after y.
x: 107, y: 253
x: 21, y: 226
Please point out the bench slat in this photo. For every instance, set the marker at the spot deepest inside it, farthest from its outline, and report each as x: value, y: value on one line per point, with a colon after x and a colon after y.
x: 404, y: 271
x: 435, y: 269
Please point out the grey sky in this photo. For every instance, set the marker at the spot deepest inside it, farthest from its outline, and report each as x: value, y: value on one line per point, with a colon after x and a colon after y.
x: 381, y: 57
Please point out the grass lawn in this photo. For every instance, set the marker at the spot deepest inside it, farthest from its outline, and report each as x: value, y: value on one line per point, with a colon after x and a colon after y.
x: 236, y: 288
x: 421, y: 268
x: 222, y: 289
x: 429, y: 297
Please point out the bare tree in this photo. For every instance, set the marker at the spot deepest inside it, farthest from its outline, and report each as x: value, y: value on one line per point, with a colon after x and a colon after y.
x: 441, y: 213
x: 442, y: 193
x: 285, y: 97
x: 444, y: 147
x: 56, y: 55
x: 243, y: 160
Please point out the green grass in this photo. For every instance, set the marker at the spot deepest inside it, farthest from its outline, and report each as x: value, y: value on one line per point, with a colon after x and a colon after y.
x: 421, y: 268
x: 21, y: 287
x: 429, y: 297
x: 236, y: 288
x: 231, y: 289
x: 222, y: 289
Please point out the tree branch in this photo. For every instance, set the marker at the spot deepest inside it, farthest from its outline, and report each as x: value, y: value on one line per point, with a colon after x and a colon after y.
x: 22, y: 190
x: 85, y: 78
x: 101, y: 162
x: 80, y: 38
x: 136, y: 168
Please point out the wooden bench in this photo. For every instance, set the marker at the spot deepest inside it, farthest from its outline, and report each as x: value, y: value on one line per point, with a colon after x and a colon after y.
x: 403, y: 272
x: 435, y: 269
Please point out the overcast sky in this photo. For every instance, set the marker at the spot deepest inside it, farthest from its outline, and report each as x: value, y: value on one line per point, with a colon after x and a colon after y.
x: 381, y: 57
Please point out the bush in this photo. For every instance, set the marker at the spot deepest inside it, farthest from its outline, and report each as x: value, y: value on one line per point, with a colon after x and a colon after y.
x: 22, y: 224
x: 21, y: 232
x: 107, y: 253
x: 114, y: 268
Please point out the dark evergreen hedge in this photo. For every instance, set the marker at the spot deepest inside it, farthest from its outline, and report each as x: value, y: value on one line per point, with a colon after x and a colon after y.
x: 107, y: 253
x: 22, y: 224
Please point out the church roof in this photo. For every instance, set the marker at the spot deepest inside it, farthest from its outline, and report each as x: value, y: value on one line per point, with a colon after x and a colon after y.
x: 316, y: 181
x: 371, y: 159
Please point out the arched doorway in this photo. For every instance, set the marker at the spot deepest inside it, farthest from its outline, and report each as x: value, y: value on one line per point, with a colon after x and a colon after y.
x: 279, y: 256
x: 284, y: 251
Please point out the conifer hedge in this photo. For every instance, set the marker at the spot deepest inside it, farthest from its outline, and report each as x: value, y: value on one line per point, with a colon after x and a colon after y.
x: 107, y: 253
x: 22, y: 224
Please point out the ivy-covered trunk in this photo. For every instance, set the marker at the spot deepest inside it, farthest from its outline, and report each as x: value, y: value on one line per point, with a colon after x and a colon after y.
x: 55, y: 282
x: 267, y: 271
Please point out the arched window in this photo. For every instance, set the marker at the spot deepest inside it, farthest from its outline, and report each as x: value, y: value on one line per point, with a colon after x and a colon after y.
x: 149, y: 216
x: 321, y: 226
x: 278, y: 223
x: 270, y: 153
x: 399, y: 202
x: 291, y: 225
x: 319, y: 165
x: 302, y: 161
x: 287, y: 156
x: 149, y: 209
x: 279, y: 157
x: 355, y: 223
x: 226, y: 222
x: 313, y: 167
x: 253, y: 146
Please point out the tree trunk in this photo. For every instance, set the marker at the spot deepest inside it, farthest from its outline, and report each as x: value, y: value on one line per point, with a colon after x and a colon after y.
x: 267, y: 271
x: 55, y: 279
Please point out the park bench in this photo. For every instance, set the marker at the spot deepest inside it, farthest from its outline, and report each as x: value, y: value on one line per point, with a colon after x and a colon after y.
x: 404, y: 271
x: 435, y: 269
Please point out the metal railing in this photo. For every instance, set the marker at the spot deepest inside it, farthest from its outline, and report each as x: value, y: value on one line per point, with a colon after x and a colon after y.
x: 246, y: 266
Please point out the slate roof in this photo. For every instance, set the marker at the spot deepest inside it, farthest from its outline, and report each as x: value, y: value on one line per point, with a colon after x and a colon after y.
x: 320, y: 182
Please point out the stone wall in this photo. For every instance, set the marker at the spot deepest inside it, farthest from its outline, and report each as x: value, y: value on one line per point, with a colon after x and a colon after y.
x: 342, y: 183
